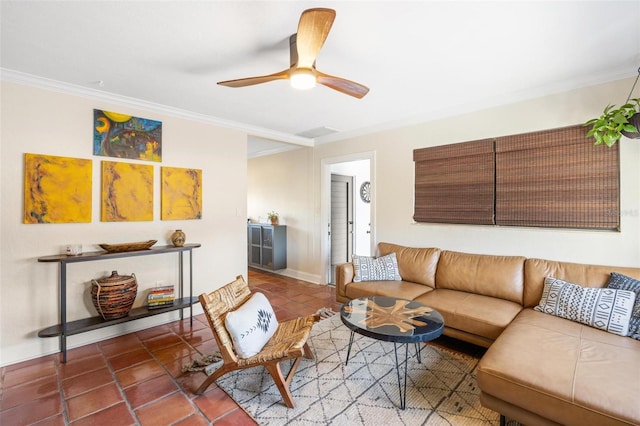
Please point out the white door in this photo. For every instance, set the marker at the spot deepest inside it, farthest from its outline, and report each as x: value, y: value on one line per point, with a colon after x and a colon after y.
x: 341, y: 225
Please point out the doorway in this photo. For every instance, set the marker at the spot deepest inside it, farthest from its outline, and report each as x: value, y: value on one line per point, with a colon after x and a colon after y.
x: 357, y: 231
x: 341, y: 224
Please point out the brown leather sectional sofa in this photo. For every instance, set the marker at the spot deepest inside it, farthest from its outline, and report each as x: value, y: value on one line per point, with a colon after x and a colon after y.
x: 539, y: 369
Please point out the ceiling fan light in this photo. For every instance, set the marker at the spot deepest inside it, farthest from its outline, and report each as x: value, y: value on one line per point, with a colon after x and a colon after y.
x: 302, y: 79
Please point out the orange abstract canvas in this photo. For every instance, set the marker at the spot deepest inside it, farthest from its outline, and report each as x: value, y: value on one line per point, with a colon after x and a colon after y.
x: 181, y: 193
x: 127, y: 192
x: 56, y: 189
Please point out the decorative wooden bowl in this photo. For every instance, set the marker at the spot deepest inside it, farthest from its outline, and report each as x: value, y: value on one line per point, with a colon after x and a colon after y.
x: 116, y: 248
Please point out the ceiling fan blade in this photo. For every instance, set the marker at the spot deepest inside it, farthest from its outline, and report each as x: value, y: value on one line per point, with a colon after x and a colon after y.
x: 305, y: 45
x: 342, y: 85
x: 313, y: 30
x: 250, y: 81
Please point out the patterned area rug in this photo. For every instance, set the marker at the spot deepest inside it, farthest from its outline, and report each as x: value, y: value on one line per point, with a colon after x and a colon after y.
x: 441, y: 390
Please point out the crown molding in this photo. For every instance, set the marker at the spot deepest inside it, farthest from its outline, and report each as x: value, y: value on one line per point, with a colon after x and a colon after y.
x: 26, y: 79
x: 568, y: 85
x: 267, y: 152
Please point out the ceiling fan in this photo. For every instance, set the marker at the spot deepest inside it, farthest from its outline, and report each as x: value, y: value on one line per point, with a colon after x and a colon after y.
x: 304, y: 47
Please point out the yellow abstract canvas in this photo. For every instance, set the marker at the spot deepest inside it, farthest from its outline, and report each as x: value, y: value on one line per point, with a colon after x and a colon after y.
x: 127, y: 192
x: 181, y: 193
x: 56, y: 189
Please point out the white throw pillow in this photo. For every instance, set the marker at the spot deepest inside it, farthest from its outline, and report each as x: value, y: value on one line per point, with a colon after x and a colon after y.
x: 604, y: 308
x: 251, y: 325
x: 384, y: 268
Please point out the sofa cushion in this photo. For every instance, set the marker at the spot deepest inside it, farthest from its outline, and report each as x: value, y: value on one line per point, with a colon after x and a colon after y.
x: 604, y: 308
x: 573, y: 373
x: 474, y: 313
x: 383, y: 268
x: 495, y: 276
x: 622, y: 282
x: 400, y: 289
x: 416, y: 265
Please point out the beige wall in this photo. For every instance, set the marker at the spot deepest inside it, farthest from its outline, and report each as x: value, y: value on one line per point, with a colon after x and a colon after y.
x: 393, y: 178
x: 287, y: 187
x: 47, y: 122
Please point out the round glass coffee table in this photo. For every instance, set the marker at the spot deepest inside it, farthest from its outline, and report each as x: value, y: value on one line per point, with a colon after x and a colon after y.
x: 393, y: 320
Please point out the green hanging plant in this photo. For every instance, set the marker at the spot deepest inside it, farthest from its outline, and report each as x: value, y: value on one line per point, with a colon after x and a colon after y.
x: 614, y: 122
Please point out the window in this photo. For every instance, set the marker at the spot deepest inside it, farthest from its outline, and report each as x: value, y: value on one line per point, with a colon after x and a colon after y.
x: 552, y: 178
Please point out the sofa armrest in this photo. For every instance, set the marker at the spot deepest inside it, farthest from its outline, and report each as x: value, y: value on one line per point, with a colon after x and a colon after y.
x: 344, y: 276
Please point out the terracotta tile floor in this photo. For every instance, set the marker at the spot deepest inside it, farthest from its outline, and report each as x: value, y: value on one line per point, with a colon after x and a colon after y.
x: 136, y: 379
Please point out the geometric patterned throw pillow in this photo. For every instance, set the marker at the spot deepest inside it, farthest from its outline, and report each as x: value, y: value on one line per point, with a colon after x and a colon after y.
x: 251, y: 325
x: 384, y: 268
x: 604, y: 308
x: 622, y: 282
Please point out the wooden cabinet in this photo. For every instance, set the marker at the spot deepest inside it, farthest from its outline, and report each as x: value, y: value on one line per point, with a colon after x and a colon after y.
x: 267, y: 246
x: 65, y: 328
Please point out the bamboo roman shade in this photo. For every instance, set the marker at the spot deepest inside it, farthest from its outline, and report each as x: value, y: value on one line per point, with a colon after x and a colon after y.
x: 557, y: 178
x: 553, y: 178
x: 454, y: 183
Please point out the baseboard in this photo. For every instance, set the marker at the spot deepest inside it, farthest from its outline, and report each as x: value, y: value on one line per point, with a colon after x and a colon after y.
x: 291, y: 273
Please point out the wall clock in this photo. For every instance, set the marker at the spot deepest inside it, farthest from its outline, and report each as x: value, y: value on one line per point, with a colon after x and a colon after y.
x: 365, y: 191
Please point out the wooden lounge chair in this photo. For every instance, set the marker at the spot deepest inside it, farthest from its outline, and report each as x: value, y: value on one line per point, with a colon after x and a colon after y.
x: 288, y: 342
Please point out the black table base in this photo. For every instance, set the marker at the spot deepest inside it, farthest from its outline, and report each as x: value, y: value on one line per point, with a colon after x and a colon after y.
x: 402, y: 388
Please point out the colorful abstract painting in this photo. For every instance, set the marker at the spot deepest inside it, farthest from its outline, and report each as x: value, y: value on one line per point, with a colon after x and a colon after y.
x: 123, y: 136
x: 181, y: 193
x: 56, y: 189
x: 127, y: 192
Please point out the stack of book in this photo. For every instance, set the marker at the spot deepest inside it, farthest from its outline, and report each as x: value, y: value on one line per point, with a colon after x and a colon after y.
x: 160, y: 297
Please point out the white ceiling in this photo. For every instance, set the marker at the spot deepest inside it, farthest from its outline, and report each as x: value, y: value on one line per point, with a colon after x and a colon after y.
x: 422, y: 60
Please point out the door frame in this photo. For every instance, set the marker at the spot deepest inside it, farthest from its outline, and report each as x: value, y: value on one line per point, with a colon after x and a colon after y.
x: 325, y: 203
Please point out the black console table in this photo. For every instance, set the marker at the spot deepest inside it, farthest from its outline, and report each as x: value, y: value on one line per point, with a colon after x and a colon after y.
x: 65, y: 328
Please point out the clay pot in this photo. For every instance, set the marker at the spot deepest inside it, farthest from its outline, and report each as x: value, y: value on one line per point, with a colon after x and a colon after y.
x: 178, y: 238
